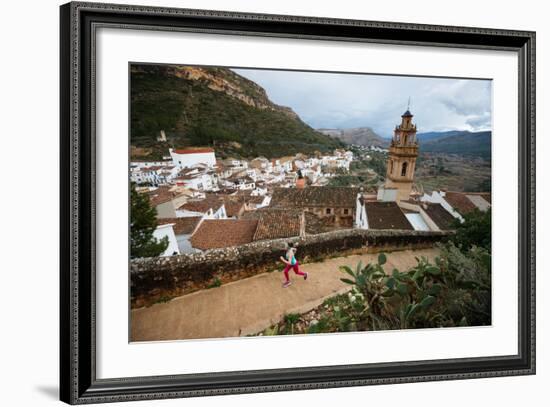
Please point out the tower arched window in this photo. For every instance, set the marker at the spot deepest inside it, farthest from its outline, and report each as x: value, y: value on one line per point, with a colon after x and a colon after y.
x: 404, y: 169
x: 391, y: 166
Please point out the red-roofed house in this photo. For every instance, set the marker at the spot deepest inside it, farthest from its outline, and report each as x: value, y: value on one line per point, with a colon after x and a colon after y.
x: 460, y: 203
x: 187, y: 157
x: 166, y: 200
x: 183, y: 229
x: 211, y: 207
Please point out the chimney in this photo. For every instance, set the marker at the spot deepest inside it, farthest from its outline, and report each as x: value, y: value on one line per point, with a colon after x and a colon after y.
x: 301, y: 181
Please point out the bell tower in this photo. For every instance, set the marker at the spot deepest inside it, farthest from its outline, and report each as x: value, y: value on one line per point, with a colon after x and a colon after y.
x: 402, y: 157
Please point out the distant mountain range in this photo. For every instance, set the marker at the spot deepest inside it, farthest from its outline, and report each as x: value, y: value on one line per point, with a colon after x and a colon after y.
x: 207, y: 106
x: 456, y: 142
x: 448, y: 142
x: 362, y: 136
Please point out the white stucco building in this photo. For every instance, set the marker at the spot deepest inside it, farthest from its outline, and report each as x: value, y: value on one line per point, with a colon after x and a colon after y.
x: 167, y: 230
x: 143, y: 164
x: 155, y: 175
x: 197, y: 181
x: 189, y: 157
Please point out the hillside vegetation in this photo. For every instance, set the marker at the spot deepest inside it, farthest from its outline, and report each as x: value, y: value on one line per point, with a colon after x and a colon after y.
x: 199, y: 106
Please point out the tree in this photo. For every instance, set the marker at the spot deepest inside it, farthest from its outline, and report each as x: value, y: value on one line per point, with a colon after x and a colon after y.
x: 143, y: 222
x: 474, y: 231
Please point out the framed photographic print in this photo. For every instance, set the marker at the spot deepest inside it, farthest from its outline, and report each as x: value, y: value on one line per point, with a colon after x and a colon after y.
x: 255, y: 203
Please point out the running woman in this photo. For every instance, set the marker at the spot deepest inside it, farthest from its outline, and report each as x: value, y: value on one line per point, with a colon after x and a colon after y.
x: 291, y: 263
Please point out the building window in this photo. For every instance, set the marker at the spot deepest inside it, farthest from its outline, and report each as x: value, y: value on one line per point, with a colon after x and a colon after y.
x: 346, y: 211
x: 404, y: 169
x: 391, y: 166
x: 328, y: 211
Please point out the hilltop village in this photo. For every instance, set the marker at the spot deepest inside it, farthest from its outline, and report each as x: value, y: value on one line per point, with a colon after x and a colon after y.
x: 205, y: 203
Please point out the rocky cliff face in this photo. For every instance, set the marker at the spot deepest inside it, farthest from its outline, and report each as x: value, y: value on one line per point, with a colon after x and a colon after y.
x: 233, y: 85
x: 214, y: 106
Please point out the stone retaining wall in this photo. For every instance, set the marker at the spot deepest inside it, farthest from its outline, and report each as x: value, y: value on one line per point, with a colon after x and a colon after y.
x: 156, y: 279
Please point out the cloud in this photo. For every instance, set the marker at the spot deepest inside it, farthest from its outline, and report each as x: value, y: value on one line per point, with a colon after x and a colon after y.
x: 335, y: 100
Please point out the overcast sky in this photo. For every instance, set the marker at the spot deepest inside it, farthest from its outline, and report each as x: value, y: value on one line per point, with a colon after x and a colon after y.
x: 329, y: 100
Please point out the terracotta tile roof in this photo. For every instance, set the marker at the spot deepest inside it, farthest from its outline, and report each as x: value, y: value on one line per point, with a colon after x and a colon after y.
x: 162, y: 195
x: 386, y: 215
x: 188, y: 177
x: 460, y: 202
x: 188, y: 171
x: 226, y: 191
x: 486, y: 196
x: 332, y: 197
x: 233, y: 195
x: 153, y: 168
x: 183, y: 226
x: 217, y: 233
x: 195, y: 150
x: 441, y: 217
x: 256, y: 199
x: 258, y: 161
x: 315, y: 224
x: 278, y: 224
x: 479, y: 201
x: 221, y: 168
x: 234, y: 204
x: 240, y: 176
x: 203, y: 205
x: 233, y: 208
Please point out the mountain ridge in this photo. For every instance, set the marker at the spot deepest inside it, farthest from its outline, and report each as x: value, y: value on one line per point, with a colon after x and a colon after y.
x: 448, y: 142
x: 363, y: 136
x: 459, y: 142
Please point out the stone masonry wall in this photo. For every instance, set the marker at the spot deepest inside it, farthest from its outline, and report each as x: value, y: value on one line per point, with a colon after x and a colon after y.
x: 160, y: 278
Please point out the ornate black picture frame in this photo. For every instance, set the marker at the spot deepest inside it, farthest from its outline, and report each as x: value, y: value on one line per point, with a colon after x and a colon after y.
x: 78, y: 380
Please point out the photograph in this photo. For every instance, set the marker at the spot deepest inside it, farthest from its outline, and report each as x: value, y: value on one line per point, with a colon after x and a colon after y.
x: 266, y: 202
x: 261, y: 201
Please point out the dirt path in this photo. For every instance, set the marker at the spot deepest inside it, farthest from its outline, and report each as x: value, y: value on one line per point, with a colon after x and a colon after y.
x: 251, y: 305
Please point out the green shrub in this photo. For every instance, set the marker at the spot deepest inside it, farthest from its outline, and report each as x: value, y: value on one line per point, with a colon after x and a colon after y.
x: 216, y: 283
x: 455, y: 291
x: 474, y: 231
